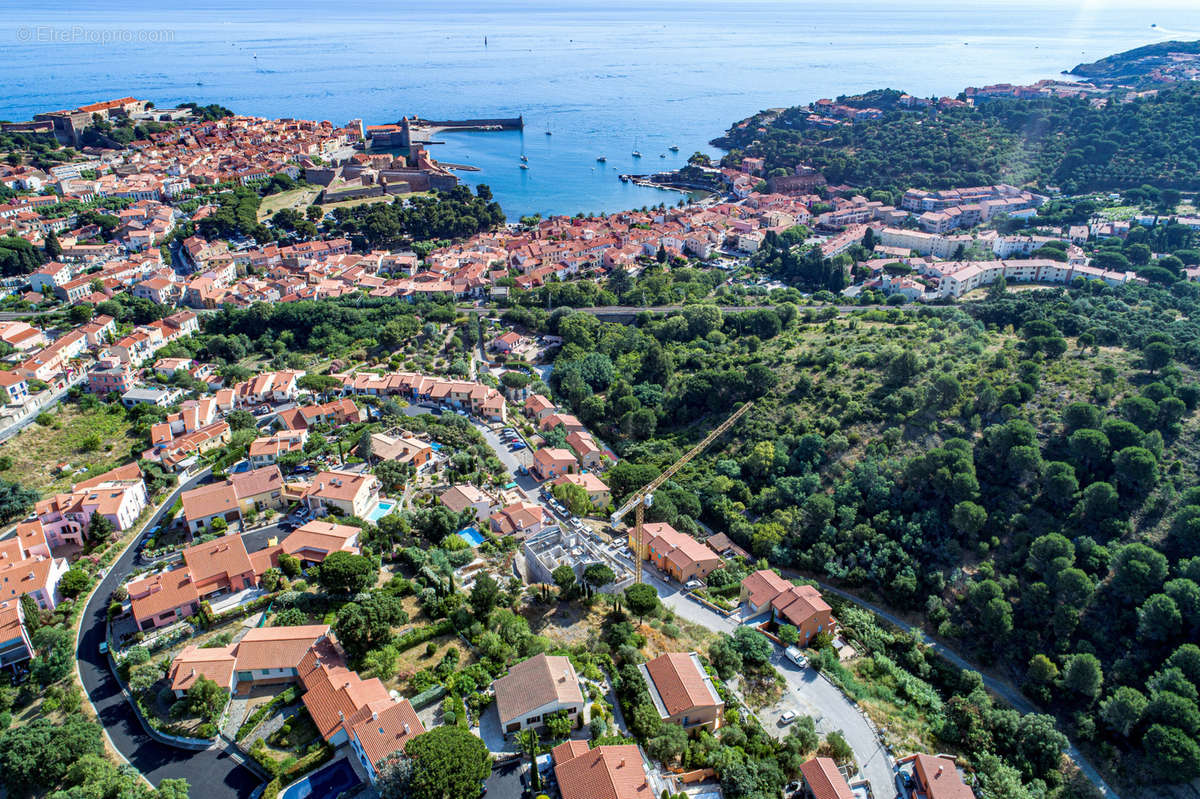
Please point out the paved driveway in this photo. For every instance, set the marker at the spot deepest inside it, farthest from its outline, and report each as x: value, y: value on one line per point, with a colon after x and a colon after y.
x: 210, y: 773
x: 490, y: 732
x: 807, y: 691
x: 505, y: 779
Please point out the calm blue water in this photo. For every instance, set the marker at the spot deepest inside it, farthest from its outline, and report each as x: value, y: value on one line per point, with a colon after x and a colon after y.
x: 605, y: 77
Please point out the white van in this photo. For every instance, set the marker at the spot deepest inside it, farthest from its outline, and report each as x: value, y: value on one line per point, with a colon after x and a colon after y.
x: 793, y: 654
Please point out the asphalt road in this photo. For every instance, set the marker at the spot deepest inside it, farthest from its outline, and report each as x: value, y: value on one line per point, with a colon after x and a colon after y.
x: 995, y: 686
x: 811, y: 691
x: 210, y: 773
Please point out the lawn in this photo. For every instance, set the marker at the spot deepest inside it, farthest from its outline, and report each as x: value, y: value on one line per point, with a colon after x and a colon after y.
x: 298, y: 199
x: 38, y: 449
x: 414, y: 659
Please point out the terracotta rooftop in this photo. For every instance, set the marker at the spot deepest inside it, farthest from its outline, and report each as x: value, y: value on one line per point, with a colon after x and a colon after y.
x: 680, y: 682
x: 606, y: 772
x: 389, y: 727
x: 222, y: 557
x: 277, y: 647
x: 824, y: 780
x: 763, y: 586
x: 538, y: 681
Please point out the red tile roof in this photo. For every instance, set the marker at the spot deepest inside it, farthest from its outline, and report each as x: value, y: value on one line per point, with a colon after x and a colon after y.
x: 680, y: 683
x: 824, y: 780
x: 606, y: 772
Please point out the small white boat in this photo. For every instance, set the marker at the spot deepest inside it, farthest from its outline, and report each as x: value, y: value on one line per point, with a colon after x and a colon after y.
x: 524, y: 166
x: 674, y: 148
x: 602, y: 159
x: 637, y: 154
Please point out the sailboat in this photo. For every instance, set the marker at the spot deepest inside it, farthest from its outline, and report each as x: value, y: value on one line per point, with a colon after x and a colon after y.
x: 636, y: 152
x: 674, y: 148
x: 548, y: 133
x: 602, y: 159
x: 524, y: 157
x: 524, y: 165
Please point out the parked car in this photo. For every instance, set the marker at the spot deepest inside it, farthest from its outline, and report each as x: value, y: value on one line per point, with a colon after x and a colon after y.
x: 104, y: 647
x: 787, y: 718
x: 516, y: 445
x: 692, y: 585
x: 793, y: 654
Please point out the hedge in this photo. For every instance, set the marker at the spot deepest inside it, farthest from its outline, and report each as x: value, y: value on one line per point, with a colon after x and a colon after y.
x: 262, y: 711
x: 427, y: 698
x: 422, y: 634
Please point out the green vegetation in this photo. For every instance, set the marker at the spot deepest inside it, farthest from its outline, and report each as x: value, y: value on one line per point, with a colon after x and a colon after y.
x: 1059, y: 141
x: 446, y: 215
x: 1017, y: 470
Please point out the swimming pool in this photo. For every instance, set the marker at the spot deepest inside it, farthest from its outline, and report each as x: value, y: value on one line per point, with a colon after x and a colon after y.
x: 382, y: 508
x: 324, y: 784
x: 471, y: 536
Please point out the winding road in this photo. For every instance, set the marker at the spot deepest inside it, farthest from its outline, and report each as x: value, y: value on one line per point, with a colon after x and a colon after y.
x: 210, y: 772
x: 995, y: 686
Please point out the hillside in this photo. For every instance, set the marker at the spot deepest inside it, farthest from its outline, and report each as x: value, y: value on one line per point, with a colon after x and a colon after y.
x: 1049, y: 141
x: 1016, y: 471
x: 1134, y: 66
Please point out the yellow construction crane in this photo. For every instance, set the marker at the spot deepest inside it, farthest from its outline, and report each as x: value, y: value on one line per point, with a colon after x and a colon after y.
x: 645, y: 497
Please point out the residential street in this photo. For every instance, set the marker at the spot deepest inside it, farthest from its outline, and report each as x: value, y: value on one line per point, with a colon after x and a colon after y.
x: 997, y: 687
x: 812, y: 693
x: 211, y: 772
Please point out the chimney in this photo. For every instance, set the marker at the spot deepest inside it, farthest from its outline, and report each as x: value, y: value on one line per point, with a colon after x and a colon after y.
x: 375, y: 716
x: 621, y: 764
x: 406, y: 728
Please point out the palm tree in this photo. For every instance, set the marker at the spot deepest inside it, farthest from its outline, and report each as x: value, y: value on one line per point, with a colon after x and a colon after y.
x: 529, y: 744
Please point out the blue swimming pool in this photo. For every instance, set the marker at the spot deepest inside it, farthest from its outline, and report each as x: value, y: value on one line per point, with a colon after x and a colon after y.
x: 471, y: 536
x: 324, y: 784
x: 382, y: 508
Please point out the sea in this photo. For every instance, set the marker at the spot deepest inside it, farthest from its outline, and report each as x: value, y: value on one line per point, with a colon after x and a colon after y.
x: 591, y: 78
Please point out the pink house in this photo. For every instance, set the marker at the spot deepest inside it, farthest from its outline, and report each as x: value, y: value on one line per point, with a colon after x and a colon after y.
x: 550, y: 462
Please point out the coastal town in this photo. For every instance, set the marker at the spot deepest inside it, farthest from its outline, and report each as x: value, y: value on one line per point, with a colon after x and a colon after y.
x: 283, y: 559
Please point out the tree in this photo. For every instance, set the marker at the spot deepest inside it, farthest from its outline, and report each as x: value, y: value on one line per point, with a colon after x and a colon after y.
x: 35, y: 756
x: 1138, y: 571
x: 642, y: 600
x: 289, y: 564
x: 788, y: 634
x: 1136, y: 468
x: 363, y: 626
x: 346, y: 573
x: 74, y: 582
x: 564, y: 578
x: 364, y: 446
x: 753, y: 646
x: 15, y: 500
x: 55, y: 656
x: 1042, y: 669
x: 968, y: 518
x: 448, y: 762
x: 1083, y: 675
x: 1159, y: 618
x: 1172, y: 752
x: 51, y: 246
x: 206, y: 698
x: 1098, y: 503
x: 598, y: 574
x: 725, y: 657
x: 393, y: 776
x: 1123, y: 709
x: 531, y: 747
x: 669, y: 745
x: 574, y: 497
x: 558, y: 724
x: 484, y: 596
